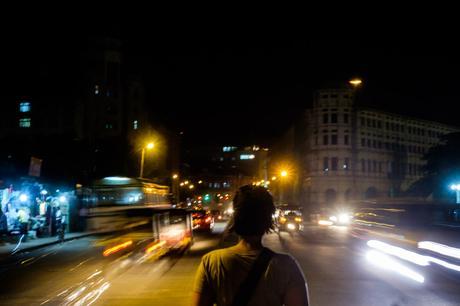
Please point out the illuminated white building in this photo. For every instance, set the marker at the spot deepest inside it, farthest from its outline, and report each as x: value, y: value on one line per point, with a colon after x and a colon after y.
x: 354, y: 153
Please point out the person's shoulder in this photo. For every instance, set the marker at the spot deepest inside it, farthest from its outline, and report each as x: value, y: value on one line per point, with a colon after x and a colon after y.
x: 219, y: 253
x: 284, y: 258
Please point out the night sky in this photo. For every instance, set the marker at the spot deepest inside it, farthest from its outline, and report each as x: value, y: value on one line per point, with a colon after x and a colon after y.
x: 248, y: 87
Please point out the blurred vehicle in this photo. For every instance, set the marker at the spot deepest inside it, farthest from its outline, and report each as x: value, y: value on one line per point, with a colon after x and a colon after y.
x: 218, y: 215
x: 328, y: 217
x: 418, y: 235
x: 340, y: 217
x: 290, y: 221
x: 202, y: 220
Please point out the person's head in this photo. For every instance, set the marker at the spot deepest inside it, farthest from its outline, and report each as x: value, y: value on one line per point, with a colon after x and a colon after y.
x: 253, y: 210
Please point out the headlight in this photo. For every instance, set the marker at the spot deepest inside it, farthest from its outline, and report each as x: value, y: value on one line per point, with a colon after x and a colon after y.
x: 333, y: 218
x: 344, y: 218
x: 291, y: 226
x: 297, y: 219
x: 325, y: 222
x: 283, y: 219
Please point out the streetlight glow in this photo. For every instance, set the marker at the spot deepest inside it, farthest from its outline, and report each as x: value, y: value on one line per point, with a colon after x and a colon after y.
x: 355, y: 82
x: 273, y: 178
x: 175, y: 176
x: 284, y: 173
x: 23, y: 198
x: 150, y: 145
x: 191, y: 186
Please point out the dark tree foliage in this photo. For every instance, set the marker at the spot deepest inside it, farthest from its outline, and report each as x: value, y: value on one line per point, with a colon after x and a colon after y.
x: 441, y: 170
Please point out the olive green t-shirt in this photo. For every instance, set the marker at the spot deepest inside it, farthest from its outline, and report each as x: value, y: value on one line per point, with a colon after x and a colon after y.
x: 222, y: 271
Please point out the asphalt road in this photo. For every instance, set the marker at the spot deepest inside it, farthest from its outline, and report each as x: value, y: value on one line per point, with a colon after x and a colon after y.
x: 76, y: 273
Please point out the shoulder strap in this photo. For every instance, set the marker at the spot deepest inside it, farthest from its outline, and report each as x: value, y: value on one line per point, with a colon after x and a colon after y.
x: 247, y: 287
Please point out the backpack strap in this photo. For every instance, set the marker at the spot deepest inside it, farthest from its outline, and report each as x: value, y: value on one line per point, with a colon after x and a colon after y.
x: 248, y: 286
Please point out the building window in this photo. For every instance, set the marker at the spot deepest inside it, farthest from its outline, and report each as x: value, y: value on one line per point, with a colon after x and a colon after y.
x: 333, y: 118
x: 345, y: 140
x: 369, y: 165
x: 379, y: 124
x: 96, y: 90
x: 24, y: 107
x: 387, y: 125
x: 334, y: 163
x: 369, y: 144
x: 363, y: 165
x: 345, y: 118
x: 24, y: 123
x: 334, y: 139
x: 325, y: 118
x: 363, y: 142
x: 346, y: 164
x: 325, y: 140
x: 108, y: 126
x: 316, y: 140
x: 380, y: 167
x: 135, y: 125
x: 363, y: 121
x: 369, y: 122
x: 374, y: 166
x: 326, y: 164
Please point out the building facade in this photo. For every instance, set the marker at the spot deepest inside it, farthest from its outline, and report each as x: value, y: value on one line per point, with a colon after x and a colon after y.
x: 353, y: 153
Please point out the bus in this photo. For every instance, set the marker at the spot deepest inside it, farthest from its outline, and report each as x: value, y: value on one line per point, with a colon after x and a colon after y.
x: 136, y: 208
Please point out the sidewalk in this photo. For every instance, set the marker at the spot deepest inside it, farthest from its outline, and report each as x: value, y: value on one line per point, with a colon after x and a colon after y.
x: 7, y: 249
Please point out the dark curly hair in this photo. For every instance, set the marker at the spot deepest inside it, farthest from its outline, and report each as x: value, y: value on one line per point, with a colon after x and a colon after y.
x: 253, y: 211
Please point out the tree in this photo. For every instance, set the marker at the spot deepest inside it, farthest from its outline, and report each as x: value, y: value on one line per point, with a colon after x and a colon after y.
x: 442, y: 168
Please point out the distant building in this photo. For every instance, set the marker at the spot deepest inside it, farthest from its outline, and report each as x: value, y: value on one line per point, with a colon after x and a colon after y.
x: 354, y: 153
x: 223, y: 169
x: 80, y: 117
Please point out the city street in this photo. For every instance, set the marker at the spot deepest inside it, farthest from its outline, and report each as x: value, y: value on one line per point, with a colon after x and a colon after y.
x: 76, y: 273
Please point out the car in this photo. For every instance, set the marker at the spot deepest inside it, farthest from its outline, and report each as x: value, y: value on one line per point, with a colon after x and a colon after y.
x: 202, y: 220
x: 290, y: 221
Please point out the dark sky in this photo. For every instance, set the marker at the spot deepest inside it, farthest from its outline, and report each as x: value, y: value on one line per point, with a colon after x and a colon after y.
x: 247, y: 86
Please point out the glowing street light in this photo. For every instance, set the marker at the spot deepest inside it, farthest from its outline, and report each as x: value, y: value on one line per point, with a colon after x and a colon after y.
x: 186, y: 183
x: 181, y: 184
x: 273, y: 178
x: 23, y: 198
x: 191, y: 186
x: 149, y: 146
x: 200, y: 182
x: 355, y: 82
x: 284, y: 173
x: 175, y: 176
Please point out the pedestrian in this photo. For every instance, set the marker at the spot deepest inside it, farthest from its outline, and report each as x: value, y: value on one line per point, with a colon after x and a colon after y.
x: 248, y: 273
x: 3, y: 226
x: 23, y: 218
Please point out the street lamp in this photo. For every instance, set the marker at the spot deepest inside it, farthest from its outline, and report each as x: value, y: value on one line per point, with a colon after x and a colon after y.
x: 175, y: 176
x: 149, y: 146
x: 456, y: 188
x: 284, y: 175
x: 355, y: 82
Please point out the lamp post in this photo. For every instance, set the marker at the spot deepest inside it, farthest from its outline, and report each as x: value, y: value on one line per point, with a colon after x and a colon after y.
x: 149, y: 146
x: 283, y: 175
